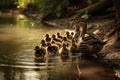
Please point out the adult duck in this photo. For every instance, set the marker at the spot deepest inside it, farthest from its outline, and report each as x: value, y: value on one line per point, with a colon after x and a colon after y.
x: 91, y: 45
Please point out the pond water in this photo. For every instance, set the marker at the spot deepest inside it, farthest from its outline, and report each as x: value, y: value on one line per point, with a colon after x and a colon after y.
x: 18, y: 37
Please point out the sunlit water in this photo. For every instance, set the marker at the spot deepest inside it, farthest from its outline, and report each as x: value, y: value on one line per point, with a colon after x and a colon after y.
x: 19, y: 35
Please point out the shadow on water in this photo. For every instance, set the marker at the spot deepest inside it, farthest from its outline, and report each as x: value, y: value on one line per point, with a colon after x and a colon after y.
x: 95, y: 70
x: 19, y: 35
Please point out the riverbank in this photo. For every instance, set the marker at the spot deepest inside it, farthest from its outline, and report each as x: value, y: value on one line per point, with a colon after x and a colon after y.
x: 99, y: 26
x: 110, y: 53
x: 32, y: 37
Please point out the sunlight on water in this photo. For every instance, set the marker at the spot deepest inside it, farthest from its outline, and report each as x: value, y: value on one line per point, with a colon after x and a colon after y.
x: 1, y: 75
x: 32, y: 75
x: 19, y: 36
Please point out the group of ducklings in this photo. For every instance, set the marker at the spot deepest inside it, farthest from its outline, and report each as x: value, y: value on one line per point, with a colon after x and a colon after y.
x: 57, y: 44
x: 71, y: 43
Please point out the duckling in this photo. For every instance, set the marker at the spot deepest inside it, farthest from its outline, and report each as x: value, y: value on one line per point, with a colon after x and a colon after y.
x: 74, y: 47
x: 59, y: 35
x: 68, y: 35
x: 40, y: 52
x: 47, y: 38
x: 52, y: 49
x: 43, y: 43
x: 57, y: 43
x: 55, y: 39
x: 64, y: 51
x: 72, y: 34
x: 66, y: 41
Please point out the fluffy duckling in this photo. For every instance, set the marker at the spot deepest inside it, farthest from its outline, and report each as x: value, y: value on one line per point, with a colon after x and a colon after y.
x: 68, y: 35
x: 72, y: 34
x: 59, y: 35
x: 66, y: 41
x: 43, y: 43
x: 57, y: 43
x: 52, y: 49
x: 40, y: 52
x: 74, y: 47
x: 47, y: 38
x: 55, y: 39
x: 64, y: 51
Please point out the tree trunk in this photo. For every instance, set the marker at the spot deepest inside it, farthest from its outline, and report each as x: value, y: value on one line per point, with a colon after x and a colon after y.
x: 116, y: 29
x: 117, y: 6
x: 96, y: 7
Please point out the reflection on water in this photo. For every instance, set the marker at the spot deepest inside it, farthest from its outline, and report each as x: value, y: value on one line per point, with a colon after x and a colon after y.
x: 18, y: 36
x: 32, y: 75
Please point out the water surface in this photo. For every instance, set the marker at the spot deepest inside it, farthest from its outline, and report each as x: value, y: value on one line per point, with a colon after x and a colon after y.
x: 19, y: 35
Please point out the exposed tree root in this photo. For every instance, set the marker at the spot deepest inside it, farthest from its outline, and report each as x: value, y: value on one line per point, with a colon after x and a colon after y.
x: 96, y: 7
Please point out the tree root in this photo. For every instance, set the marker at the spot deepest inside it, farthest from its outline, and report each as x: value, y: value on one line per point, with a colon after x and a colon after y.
x: 96, y: 7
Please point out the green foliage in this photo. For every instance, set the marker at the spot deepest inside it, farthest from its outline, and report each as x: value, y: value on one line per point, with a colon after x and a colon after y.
x: 86, y: 15
x: 53, y: 7
x: 23, y: 3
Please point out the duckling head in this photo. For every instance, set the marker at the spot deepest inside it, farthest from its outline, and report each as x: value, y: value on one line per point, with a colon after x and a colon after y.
x: 64, y: 45
x: 42, y: 42
x: 48, y: 44
x: 67, y: 33
x: 53, y: 42
x: 47, y: 35
x: 36, y: 48
x: 64, y: 38
x: 58, y: 34
x: 53, y: 36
